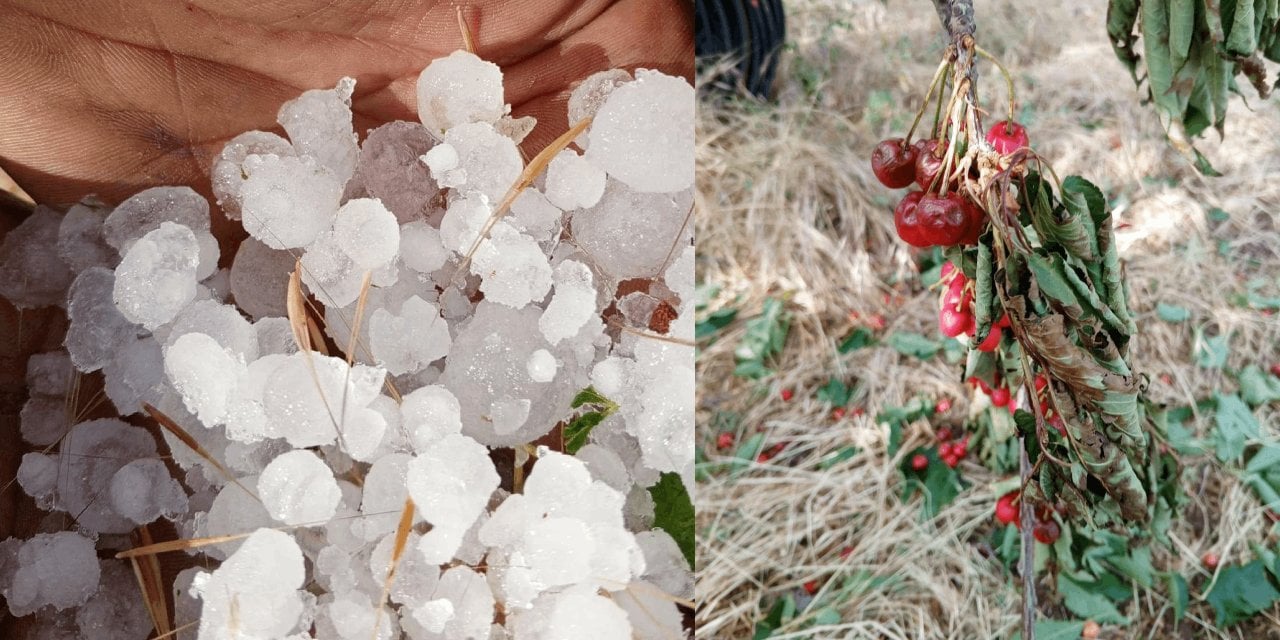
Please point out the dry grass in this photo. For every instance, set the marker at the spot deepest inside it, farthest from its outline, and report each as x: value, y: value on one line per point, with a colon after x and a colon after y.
x: 788, y: 207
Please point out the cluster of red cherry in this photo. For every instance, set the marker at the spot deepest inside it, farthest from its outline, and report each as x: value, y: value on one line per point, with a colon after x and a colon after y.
x: 950, y: 451
x: 955, y: 310
x: 1046, y: 529
x: 938, y: 215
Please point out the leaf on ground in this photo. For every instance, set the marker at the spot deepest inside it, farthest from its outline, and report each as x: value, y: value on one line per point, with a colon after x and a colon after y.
x: 1085, y: 601
x: 1235, y: 425
x: 781, y: 613
x: 1172, y: 313
x: 861, y: 337
x: 1178, y: 595
x: 713, y: 322
x: 914, y: 344
x: 764, y: 337
x: 1211, y: 351
x: 1258, y: 387
x: 673, y: 512
x: 836, y: 392
x: 1241, y: 592
x: 1056, y: 630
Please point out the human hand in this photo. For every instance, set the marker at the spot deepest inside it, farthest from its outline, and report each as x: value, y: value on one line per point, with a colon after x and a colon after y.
x: 112, y: 101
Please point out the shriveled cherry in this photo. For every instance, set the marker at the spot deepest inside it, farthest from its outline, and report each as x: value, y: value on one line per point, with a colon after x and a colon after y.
x: 894, y: 163
x: 1006, y: 137
x: 906, y: 220
x: 928, y: 164
x: 1047, y: 532
x: 943, y: 220
x: 920, y: 462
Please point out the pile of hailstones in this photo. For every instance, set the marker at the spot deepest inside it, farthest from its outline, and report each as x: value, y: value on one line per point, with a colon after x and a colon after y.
x: 486, y: 353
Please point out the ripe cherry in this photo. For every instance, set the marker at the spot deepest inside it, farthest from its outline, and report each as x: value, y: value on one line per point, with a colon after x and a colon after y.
x: 952, y: 322
x: 943, y: 406
x: 920, y: 462
x: 945, y: 449
x: 1090, y: 631
x: 724, y: 440
x: 943, y: 220
x: 1209, y: 560
x: 1006, y: 137
x: 1275, y: 370
x: 977, y: 221
x: 837, y: 413
x: 992, y: 341
x: 927, y: 163
x: 960, y: 448
x: 1000, y: 397
x: 811, y: 587
x: 906, y: 219
x: 981, y: 384
x: 944, y: 434
x: 894, y: 163
x: 786, y: 395
x: 1007, y: 508
x: 1047, y: 532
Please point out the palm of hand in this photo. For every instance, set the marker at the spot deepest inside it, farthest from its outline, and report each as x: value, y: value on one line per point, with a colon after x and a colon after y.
x: 112, y: 102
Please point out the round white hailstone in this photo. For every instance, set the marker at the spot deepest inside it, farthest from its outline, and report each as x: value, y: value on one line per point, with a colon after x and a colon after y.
x: 260, y: 278
x: 651, y: 612
x: 288, y: 201
x: 643, y: 134
x: 298, y: 488
x: 351, y: 618
x: 91, y: 453
x: 588, y: 95
x: 572, y: 305
x: 434, y: 615
x: 450, y: 483
x: 363, y: 433
x: 114, y: 611
x: 234, y: 511
x: 457, y: 89
x: 97, y: 327
x: 428, y: 414
x: 44, y: 419
x: 49, y: 373
x: 415, y: 578
x: 542, y: 366
x: 513, y: 267
x: 383, y: 496
x: 146, y: 210
x: 246, y: 420
x: 533, y: 214
x: 367, y: 232
x: 611, y: 376
x: 228, y: 173
x: 421, y: 248
x: 572, y: 182
x: 488, y: 161
x: 580, y: 613
x: 606, y: 466
x: 299, y: 395
x: 157, y: 277
x: 390, y: 171
x: 222, y: 322
x: 205, y: 373
x: 136, y: 375
x: 559, y: 550
x: 38, y: 477
x: 80, y: 242
x: 31, y: 273
x: 143, y: 490
x: 463, y: 221
x: 329, y: 274
x: 470, y: 600
x: 409, y: 341
x: 319, y: 126
x: 631, y: 246
x: 207, y: 264
x: 275, y: 336
x: 664, y: 563
x: 254, y: 593
x: 440, y: 159
x: 54, y: 569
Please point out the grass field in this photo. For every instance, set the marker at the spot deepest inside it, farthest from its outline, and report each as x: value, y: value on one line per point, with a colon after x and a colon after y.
x: 789, y: 211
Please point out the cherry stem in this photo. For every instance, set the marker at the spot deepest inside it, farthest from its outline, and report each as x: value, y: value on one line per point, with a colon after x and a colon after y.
x: 1008, y: 79
x: 928, y: 96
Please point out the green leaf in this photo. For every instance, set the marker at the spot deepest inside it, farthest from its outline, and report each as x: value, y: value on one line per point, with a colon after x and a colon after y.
x: 1241, y: 592
x: 713, y: 322
x: 1242, y: 39
x: 765, y: 334
x: 673, y: 512
x: 1217, y: 215
x: 1056, y: 630
x: 1203, y: 166
x: 861, y: 337
x: 575, y: 434
x: 1172, y: 313
x: 940, y: 484
x: 1178, y: 594
x: 1235, y: 425
x: 1121, y: 16
x: 1257, y: 387
x: 1049, y: 276
x: 836, y: 458
x: 591, y: 396
x: 914, y: 344
x: 835, y: 392
x: 1211, y: 351
x: 1084, y: 600
x: 781, y: 613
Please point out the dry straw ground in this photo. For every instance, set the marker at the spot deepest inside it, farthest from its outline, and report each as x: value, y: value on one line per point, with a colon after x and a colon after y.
x: 788, y: 207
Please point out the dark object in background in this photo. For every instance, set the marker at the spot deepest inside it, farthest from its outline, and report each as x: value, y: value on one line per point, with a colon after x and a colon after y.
x: 748, y: 31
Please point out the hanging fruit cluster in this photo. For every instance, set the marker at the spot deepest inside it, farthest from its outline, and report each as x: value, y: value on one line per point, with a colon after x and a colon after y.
x: 1193, y: 50
x: 1045, y: 529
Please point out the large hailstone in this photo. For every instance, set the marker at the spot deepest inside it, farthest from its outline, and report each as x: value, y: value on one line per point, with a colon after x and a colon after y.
x: 298, y: 488
x: 450, y: 484
x: 457, y: 89
x: 255, y: 592
x: 157, y: 276
x: 287, y: 201
x: 54, y: 569
x: 643, y: 134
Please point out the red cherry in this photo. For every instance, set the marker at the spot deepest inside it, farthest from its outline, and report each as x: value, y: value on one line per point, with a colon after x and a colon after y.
x: 960, y: 448
x: 786, y: 395
x: 981, y: 384
x: 1275, y: 370
x: 952, y: 460
x: 943, y: 220
x: 953, y: 323
x: 944, y: 434
x: 724, y: 440
x: 811, y: 587
x: 1000, y: 397
x: 943, y: 406
x: 1006, y: 137
x: 992, y: 342
x: 948, y: 269
x: 837, y: 413
x: 945, y: 449
x: 906, y: 220
x: 1041, y: 382
x: 894, y: 163
x: 1056, y: 423
x: 1004, y: 321
x: 920, y: 462
x: 977, y: 219
x: 927, y: 163
x: 1209, y: 560
x: 1047, y: 532
x: 1007, y: 508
